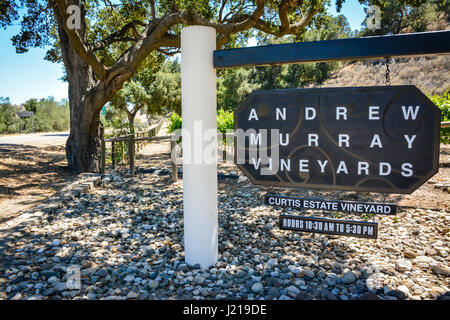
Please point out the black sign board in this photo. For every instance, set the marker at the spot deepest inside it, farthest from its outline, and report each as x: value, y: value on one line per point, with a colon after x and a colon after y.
x: 333, y: 205
x: 380, y: 139
x: 360, y: 229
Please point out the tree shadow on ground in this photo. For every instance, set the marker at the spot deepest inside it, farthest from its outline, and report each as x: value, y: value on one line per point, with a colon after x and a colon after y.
x: 27, y: 173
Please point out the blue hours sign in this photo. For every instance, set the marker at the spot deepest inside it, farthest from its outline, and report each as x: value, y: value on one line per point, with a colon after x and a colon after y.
x: 380, y: 139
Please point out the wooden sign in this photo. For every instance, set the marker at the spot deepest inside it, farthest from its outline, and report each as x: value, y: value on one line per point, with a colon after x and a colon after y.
x: 380, y: 139
x: 360, y: 229
x: 331, y: 205
x: 25, y: 114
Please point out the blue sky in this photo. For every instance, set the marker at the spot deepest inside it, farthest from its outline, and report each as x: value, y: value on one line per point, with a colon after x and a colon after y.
x: 28, y: 75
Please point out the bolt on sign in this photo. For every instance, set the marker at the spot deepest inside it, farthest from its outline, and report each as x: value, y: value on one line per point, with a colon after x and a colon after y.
x: 375, y: 139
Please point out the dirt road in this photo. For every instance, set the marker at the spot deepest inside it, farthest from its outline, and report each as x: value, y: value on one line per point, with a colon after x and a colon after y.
x: 32, y: 167
x: 46, y: 138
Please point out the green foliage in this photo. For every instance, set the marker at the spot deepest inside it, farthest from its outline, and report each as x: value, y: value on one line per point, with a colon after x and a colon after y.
x: 164, y: 89
x: 49, y: 115
x: 367, y: 216
x: 175, y: 122
x: 225, y: 121
x: 31, y: 105
x: 443, y: 102
x: 155, y: 89
x: 8, y: 119
x: 234, y: 85
x: 117, y: 121
x: 338, y: 214
x: 407, y: 15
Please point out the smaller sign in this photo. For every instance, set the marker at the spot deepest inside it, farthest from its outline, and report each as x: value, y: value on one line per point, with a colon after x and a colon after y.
x: 25, y: 114
x: 360, y: 229
x: 333, y: 205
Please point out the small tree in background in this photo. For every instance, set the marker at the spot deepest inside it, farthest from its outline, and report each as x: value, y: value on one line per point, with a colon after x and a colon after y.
x: 8, y: 118
x: 155, y: 89
x: 31, y: 105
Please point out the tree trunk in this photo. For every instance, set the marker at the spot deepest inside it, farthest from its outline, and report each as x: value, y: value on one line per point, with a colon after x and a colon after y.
x: 83, y: 147
x: 131, y: 118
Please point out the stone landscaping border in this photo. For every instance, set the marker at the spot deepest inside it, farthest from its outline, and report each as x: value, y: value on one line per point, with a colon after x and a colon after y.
x: 14, y: 228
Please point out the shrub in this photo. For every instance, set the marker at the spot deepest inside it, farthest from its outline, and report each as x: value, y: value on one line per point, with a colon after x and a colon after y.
x: 443, y: 102
x: 175, y: 122
x: 225, y: 121
x: 8, y: 119
x: 49, y: 115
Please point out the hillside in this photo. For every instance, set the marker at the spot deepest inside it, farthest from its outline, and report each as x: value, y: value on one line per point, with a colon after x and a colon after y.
x: 430, y: 74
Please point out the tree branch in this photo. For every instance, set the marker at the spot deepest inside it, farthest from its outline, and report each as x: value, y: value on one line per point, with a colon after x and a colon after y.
x: 224, y: 2
x: 152, y: 9
x: 118, y: 36
x: 78, y: 43
x: 169, y: 53
x: 156, y: 36
x: 283, y: 14
x: 285, y: 29
x: 245, y: 23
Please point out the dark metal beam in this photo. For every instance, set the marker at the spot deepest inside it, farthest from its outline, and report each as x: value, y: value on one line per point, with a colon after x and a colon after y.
x: 399, y: 45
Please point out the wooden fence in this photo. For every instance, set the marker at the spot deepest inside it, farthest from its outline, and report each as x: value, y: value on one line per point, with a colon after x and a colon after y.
x: 150, y: 135
x: 131, y: 139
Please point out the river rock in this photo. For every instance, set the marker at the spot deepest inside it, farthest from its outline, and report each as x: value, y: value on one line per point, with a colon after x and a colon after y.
x: 348, y: 277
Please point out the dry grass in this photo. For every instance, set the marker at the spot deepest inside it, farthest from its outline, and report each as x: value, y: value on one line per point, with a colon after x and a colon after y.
x: 430, y: 74
x: 29, y: 174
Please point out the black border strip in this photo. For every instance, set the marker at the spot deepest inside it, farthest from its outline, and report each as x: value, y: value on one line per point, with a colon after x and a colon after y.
x: 376, y: 47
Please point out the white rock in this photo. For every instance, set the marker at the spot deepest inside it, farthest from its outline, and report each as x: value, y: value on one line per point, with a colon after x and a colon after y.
x: 403, y: 265
x: 423, y: 259
x: 403, y: 289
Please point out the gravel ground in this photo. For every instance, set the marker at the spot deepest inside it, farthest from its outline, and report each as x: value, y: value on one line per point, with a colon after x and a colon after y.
x: 126, y: 240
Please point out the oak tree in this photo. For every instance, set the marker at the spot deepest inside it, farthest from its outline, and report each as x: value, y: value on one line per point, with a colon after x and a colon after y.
x: 83, y: 33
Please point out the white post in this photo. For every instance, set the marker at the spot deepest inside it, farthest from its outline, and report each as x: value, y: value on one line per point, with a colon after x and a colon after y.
x: 198, y: 96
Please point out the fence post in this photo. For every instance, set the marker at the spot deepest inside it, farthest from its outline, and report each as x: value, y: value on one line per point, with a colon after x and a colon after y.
x: 102, y: 169
x: 173, y: 145
x: 224, y: 150
x: 113, y: 154
x: 131, y: 155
